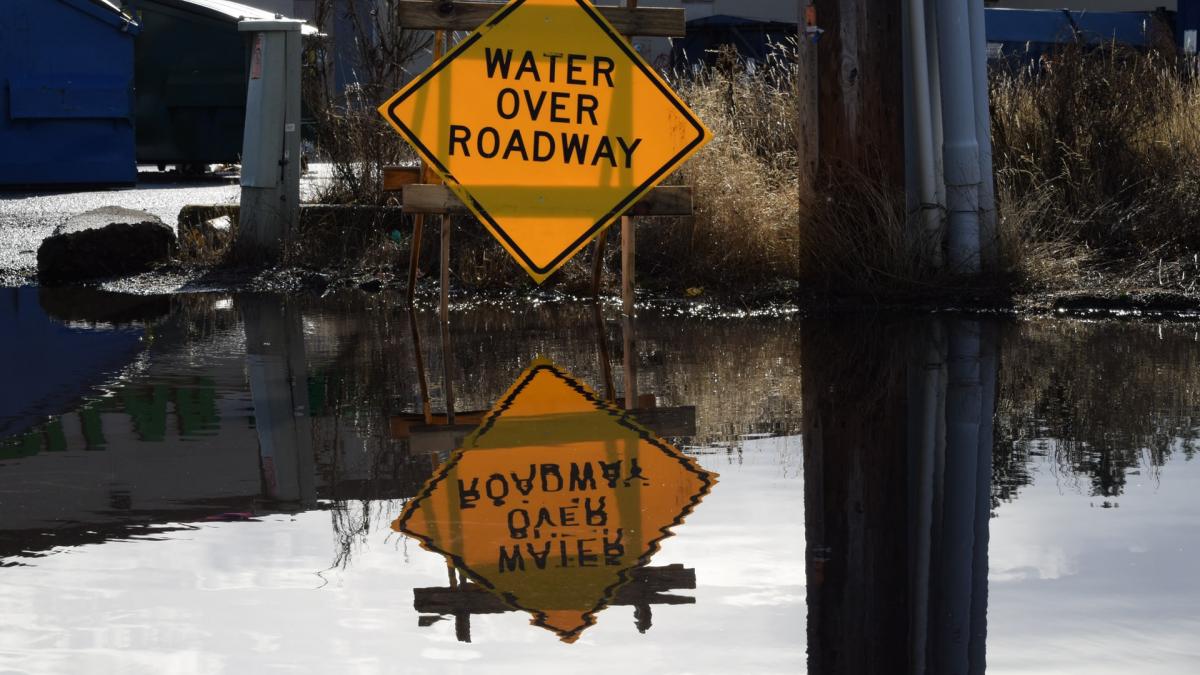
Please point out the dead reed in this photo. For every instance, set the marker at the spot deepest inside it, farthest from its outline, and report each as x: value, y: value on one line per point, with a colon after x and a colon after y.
x: 1097, y: 155
x: 745, y: 182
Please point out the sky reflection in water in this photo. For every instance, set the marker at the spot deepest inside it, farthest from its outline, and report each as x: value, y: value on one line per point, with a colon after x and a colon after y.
x: 161, y: 510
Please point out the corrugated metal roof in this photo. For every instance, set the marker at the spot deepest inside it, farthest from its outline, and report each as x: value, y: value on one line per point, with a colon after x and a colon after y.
x: 108, y: 4
x: 105, y: 11
x: 232, y: 10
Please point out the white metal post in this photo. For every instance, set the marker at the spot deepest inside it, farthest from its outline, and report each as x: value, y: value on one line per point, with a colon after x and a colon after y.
x: 960, y: 146
x: 988, y: 235
x: 919, y: 122
x: 964, y: 405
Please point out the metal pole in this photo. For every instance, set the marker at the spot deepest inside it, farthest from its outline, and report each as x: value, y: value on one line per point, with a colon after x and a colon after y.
x: 929, y: 411
x: 961, y: 146
x: 920, y: 118
x: 989, y: 367
x: 935, y: 106
x: 963, y: 407
x: 988, y: 235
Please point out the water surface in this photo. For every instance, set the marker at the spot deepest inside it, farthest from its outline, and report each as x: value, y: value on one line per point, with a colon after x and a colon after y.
x: 255, y: 483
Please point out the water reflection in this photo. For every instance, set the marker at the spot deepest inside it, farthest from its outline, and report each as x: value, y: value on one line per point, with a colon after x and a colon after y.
x: 237, y: 447
x: 898, y: 438
x: 555, y: 504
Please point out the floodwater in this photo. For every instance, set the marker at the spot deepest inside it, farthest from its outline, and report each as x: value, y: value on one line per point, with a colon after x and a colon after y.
x: 259, y: 484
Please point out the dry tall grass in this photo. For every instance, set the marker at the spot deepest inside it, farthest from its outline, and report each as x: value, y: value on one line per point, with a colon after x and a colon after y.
x: 1097, y: 156
x: 745, y: 182
x: 746, y: 190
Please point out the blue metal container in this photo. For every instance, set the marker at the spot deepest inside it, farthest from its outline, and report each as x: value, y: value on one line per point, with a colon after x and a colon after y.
x: 1027, y: 34
x: 66, y: 93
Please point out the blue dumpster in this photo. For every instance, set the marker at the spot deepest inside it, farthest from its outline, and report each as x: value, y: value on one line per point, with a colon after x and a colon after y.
x: 1026, y: 34
x: 66, y: 93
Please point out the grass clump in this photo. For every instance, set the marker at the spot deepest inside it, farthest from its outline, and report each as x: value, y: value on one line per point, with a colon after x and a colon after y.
x: 745, y: 182
x: 1097, y: 155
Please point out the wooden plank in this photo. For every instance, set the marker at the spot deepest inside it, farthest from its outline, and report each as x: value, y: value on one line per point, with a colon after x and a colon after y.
x: 439, y: 199
x: 403, y: 425
x: 467, y: 16
x: 668, y: 422
x: 396, y: 177
x: 649, y: 585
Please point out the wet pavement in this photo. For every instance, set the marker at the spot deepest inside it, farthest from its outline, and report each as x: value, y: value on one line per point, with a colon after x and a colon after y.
x: 216, y: 483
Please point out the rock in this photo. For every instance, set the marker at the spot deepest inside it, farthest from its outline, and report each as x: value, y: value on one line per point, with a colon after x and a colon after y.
x: 90, y: 220
x: 106, y: 242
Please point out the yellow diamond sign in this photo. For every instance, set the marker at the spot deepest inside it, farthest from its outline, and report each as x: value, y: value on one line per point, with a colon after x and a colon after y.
x: 548, y: 126
x: 555, y: 500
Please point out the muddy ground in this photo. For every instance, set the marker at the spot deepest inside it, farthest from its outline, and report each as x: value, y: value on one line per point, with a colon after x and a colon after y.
x: 26, y: 218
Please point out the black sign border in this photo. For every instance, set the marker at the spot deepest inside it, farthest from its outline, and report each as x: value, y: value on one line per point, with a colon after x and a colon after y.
x: 621, y: 206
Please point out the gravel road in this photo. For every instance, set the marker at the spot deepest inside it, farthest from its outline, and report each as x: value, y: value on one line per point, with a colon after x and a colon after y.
x: 26, y: 218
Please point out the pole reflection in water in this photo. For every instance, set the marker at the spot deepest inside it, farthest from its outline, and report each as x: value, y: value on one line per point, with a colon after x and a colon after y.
x: 555, y: 505
x: 275, y: 362
x: 898, y: 441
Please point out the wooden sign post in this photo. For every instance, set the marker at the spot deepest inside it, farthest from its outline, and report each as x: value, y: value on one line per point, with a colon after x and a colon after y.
x: 545, y: 125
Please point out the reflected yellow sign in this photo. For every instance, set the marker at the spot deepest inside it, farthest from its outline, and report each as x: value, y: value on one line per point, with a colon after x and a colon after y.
x: 548, y: 126
x: 555, y: 500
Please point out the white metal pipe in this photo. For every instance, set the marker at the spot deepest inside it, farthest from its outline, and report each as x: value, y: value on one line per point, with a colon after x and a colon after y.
x: 988, y: 235
x: 928, y: 400
x: 912, y: 200
x: 963, y: 408
x: 988, y: 368
x: 935, y: 103
x: 961, y: 146
x: 919, y: 118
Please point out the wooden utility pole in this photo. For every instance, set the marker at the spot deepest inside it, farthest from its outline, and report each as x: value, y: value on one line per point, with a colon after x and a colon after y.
x: 807, y: 122
x: 860, y: 77
x: 855, y: 495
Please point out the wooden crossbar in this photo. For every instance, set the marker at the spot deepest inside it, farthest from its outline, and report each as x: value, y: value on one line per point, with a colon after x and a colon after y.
x: 467, y: 16
x: 439, y: 199
x: 396, y: 177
